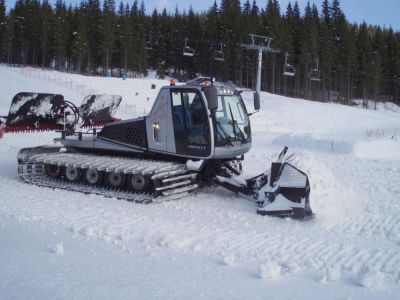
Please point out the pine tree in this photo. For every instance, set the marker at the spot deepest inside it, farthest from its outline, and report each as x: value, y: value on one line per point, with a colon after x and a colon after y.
x: 108, y: 32
x: 136, y: 29
x: 10, y: 37
x: 60, y: 35
x: 272, y: 24
x: 46, y: 21
x: 122, y: 38
x: 215, y: 35
x: 231, y: 26
x: 34, y: 31
x: 80, y: 38
x: 3, y: 27
x: 95, y: 34
x: 141, y: 26
x: 293, y: 18
x: 391, y: 66
x: 309, y: 48
x: 20, y: 40
x: 363, y: 57
x: 326, y: 50
x: 339, y: 30
x: 351, y: 61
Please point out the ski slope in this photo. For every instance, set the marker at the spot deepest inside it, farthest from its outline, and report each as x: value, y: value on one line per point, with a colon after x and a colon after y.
x: 212, y: 245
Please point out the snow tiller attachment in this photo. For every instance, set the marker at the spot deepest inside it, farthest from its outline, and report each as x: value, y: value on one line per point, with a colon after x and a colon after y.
x: 282, y: 191
x: 43, y: 112
x: 30, y: 111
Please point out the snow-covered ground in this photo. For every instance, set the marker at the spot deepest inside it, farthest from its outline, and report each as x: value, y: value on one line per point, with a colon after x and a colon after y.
x: 212, y: 245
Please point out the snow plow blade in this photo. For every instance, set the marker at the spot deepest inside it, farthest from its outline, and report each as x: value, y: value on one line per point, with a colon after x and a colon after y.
x: 284, y: 191
x: 34, y: 111
x: 99, y: 109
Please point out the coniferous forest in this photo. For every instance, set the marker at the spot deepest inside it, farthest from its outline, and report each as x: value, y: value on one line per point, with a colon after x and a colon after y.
x: 352, y: 60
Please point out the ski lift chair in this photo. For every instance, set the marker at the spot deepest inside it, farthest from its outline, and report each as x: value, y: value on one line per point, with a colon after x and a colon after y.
x: 188, y: 51
x: 219, y: 55
x: 149, y: 43
x: 148, y: 46
x: 314, y: 75
x: 289, y: 70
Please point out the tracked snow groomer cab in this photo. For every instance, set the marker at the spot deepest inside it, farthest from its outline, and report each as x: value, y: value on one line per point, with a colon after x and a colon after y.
x: 195, y: 135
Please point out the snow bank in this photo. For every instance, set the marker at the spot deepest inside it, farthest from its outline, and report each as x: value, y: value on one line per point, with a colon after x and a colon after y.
x: 312, y: 142
x: 379, y: 149
x: 380, y: 106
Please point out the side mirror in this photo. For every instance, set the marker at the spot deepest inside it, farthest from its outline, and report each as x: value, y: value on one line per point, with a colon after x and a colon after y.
x: 256, y: 101
x: 212, y: 97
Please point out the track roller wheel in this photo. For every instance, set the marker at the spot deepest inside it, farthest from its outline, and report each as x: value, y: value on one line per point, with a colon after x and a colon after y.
x: 72, y: 174
x: 93, y: 176
x: 139, y: 183
x: 116, y: 180
x: 52, y: 171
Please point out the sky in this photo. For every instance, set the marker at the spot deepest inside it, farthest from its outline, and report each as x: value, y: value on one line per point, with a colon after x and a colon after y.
x: 375, y: 12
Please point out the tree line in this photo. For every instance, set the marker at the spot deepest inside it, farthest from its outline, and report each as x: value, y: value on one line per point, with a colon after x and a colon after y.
x: 351, y: 60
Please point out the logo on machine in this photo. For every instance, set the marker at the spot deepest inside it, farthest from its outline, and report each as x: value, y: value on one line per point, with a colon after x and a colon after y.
x: 197, y: 147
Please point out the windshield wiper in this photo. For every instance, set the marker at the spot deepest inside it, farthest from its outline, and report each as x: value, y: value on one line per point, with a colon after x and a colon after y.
x: 235, y: 123
x: 227, y: 137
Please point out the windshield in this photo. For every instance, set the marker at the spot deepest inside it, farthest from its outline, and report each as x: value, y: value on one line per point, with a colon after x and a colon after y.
x: 232, y: 119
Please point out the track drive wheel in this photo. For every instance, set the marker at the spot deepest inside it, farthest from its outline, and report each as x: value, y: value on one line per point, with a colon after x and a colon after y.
x: 72, y: 173
x: 116, y: 180
x: 93, y: 176
x: 139, y: 183
x: 53, y: 171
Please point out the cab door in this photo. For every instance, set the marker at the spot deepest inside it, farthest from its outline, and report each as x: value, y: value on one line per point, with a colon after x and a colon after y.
x: 190, y: 121
x: 157, y: 125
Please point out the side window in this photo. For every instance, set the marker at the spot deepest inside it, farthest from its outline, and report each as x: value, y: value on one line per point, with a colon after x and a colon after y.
x: 177, y: 109
x: 221, y: 112
x: 196, y: 122
x: 195, y: 109
x: 189, y: 118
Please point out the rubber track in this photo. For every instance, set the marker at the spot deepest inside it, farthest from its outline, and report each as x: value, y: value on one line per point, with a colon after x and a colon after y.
x: 175, y: 181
